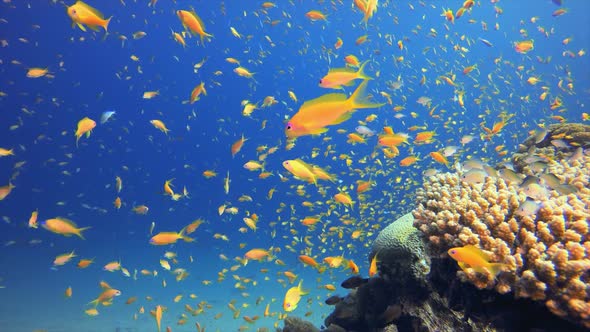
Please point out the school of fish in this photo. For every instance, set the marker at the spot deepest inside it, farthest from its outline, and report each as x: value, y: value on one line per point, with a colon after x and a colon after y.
x: 333, y: 113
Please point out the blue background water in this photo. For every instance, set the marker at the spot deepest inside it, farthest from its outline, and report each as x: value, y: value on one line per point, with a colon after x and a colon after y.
x: 46, y: 111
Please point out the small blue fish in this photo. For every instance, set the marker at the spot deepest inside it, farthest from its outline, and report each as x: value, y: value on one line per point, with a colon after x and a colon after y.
x: 106, y: 116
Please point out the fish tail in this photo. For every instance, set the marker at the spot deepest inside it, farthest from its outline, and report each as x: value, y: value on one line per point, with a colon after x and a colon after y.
x: 359, y: 99
x: 301, y: 290
x: 80, y: 230
x: 361, y: 72
x: 94, y: 303
x: 106, y: 24
x: 496, y: 268
x: 184, y: 237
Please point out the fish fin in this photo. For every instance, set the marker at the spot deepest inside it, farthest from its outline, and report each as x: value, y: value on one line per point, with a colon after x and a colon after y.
x: 341, y: 70
x: 345, y: 116
x: 327, y: 98
x: 81, y: 26
x: 478, y: 252
x: 90, y: 9
x: 463, y: 266
x: 317, y: 131
x: 361, y: 72
x: 301, y: 290
x: 359, y: 99
x: 496, y: 268
x: 106, y: 24
x: 80, y: 230
x: 184, y: 237
x: 94, y: 28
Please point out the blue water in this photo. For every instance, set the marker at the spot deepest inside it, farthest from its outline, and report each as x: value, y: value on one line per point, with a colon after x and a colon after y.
x: 92, y: 74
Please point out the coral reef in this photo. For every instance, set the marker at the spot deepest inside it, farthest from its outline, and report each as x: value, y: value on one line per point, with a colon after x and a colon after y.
x: 546, y: 252
x: 575, y: 134
x: 296, y: 324
x: 399, y: 248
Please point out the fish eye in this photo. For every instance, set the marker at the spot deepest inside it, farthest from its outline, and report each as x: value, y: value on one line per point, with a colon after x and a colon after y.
x: 452, y: 252
x: 288, y: 127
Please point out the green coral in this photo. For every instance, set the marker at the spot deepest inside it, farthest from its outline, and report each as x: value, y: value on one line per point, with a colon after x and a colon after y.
x: 400, y: 249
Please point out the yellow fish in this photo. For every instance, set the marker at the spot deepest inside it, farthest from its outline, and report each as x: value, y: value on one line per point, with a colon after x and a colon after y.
x: 473, y: 257
x: 339, y: 77
x: 331, y: 109
x: 85, y: 126
x: 83, y: 14
x: 64, y: 227
x: 293, y: 296
x: 300, y: 169
x: 164, y: 238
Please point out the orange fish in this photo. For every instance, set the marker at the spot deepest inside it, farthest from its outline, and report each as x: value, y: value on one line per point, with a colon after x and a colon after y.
x: 353, y: 267
x: 237, y: 146
x: 392, y: 140
x: 192, y: 22
x: 164, y: 238
x: 160, y: 125
x: 338, y: 43
x: 344, y: 199
x: 158, y: 316
x: 140, y: 209
x: 37, y: 72
x: 117, y: 203
x: 63, y: 226
x: 315, y: 15
x: 301, y: 170
x: 440, y: 158
x: 524, y: 47
x: 5, y: 190
x: 408, y: 161
x: 85, y: 126
x: 209, y: 174
x: 84, y: 263
x: 339, y: 77
x: 308, y: 261
x: 373, y: 266
x: 363, y: 186
x: 83, y: 14
x: 448, y: 14
x: 33, y: 219
x: 331, y: 109
x: 257, y: 254
x: 179, y: 38
x: 197, y: 91
x: 352, y: 60
x: 106, y: 296
x: 472, y: 257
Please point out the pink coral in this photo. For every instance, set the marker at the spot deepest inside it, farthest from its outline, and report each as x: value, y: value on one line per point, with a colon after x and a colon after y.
x: 548, y: 253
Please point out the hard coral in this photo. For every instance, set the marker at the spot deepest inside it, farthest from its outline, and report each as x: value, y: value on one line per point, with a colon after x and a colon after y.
x: 547, y: 253
x: 400, y: 249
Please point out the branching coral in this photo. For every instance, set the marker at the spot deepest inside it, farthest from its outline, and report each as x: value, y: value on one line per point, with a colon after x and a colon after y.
x: 547, y: 252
